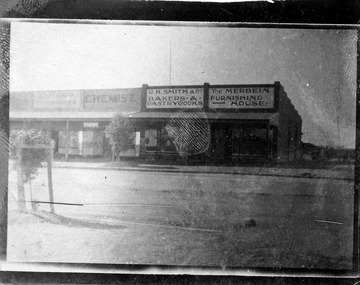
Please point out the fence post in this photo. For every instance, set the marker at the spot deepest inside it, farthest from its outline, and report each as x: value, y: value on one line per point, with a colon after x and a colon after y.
x: 20, y: 180
x: 49, y: 170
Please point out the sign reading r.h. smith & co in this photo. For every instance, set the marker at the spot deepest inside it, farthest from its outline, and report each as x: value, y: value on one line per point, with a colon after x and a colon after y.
x: 173, y: 98
x: 241, y: 97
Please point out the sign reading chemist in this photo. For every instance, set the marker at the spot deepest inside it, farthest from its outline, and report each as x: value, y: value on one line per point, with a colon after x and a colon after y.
x: 112, y: 99
x: 241, y: 98
x: 174, y: 98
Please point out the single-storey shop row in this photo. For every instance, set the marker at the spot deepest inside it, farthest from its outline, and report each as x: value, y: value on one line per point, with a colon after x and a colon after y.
x: 214, y: 122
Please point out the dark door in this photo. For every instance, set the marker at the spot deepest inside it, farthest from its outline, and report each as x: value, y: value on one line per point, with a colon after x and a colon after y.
x: 227, y: 143
x: 221, y: 148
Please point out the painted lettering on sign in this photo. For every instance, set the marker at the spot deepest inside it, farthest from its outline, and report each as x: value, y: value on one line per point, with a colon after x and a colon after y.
x: 175, y: 98
x: 241, y: 98
x: 112, y: 99
x: 56, y: 100
x: 105, y: 98
x: 91, y: 124
x: 119, y: 100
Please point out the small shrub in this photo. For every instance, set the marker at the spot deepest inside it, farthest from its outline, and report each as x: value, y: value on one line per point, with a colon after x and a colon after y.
x: 31, y: 159
x: 121, y: 133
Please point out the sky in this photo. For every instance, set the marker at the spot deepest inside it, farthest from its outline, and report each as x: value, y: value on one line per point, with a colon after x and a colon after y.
x: 316, y: 67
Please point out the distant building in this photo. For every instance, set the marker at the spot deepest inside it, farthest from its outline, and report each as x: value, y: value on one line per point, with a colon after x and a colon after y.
x: 312, y: 151
x: 244, y: 121
x: 327, y: 152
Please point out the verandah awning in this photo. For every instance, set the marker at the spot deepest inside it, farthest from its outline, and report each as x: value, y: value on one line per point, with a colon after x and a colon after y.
x: 272, y: 117
x: 107, y: 116
x: 64, y: 116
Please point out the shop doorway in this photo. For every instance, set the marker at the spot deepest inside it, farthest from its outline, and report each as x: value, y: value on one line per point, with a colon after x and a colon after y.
x: 221, y: 142
x: 239, y: 142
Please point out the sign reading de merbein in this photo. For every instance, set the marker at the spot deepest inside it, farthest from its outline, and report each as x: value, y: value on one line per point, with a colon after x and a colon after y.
x: 241, y: 98
x: 174, y: 98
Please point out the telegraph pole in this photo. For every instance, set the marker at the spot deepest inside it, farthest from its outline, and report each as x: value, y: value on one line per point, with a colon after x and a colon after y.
x: 170, y: 63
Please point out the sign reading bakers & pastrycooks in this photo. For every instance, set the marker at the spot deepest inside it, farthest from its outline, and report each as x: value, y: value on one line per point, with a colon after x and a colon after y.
x: 174, y: 98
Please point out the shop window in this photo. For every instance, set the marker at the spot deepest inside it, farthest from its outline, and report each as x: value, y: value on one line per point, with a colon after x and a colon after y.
x: 158, y: 140
x: 151, y: 140
x: 254, y: 142
x: 72, y: 142
x: 92, y: 143
x: 166, y: 142
x: 260, y: 134
x: 82, y: 142
x: 237, y: 140
x: 73, y: 139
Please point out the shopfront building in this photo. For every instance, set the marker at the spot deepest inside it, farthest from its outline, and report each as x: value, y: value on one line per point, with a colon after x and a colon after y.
x: 75, y: 119
x: 210, y: 122
x: 231, y: 122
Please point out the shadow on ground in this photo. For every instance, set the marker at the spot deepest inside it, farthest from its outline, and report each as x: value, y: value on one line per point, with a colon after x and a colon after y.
x: 65, y: 221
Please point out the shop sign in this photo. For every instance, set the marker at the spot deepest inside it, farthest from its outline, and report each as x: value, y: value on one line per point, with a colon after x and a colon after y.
x: 113, y: 99
x: 91, y: 124
x: 241, y: 98
x: 174, y: 98
x: 56, y: 99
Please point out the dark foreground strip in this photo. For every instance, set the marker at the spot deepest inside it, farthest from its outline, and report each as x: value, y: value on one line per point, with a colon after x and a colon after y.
x: 125, y: 205
x: 100, y: 205
x: 57, y: 203
x: 74, y: 222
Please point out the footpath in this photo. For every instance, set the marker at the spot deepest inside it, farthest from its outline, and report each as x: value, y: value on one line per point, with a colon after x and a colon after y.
x: 338, y: 172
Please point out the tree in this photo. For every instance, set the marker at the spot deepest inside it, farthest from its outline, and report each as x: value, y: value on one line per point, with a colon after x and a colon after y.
x: 29, y: 160
x: 121, y: 134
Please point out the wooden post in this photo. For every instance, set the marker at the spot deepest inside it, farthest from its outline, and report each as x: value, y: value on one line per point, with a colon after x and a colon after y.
x: 67, y: 141
x: 20, y: 180
x: 114, y: 151
x: 31, y: 197
x: 49, y: 170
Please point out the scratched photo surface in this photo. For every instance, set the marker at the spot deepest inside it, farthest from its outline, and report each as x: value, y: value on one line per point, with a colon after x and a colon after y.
x: 182, y: 145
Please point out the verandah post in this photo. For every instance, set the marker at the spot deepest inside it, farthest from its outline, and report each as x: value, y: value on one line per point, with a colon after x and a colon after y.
x: 67, y: 141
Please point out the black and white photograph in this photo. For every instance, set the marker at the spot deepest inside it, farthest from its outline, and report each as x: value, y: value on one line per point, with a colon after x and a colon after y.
x: 187, y: 145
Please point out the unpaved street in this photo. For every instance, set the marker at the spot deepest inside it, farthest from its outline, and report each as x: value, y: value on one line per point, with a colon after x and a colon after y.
x: 112, y: 216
